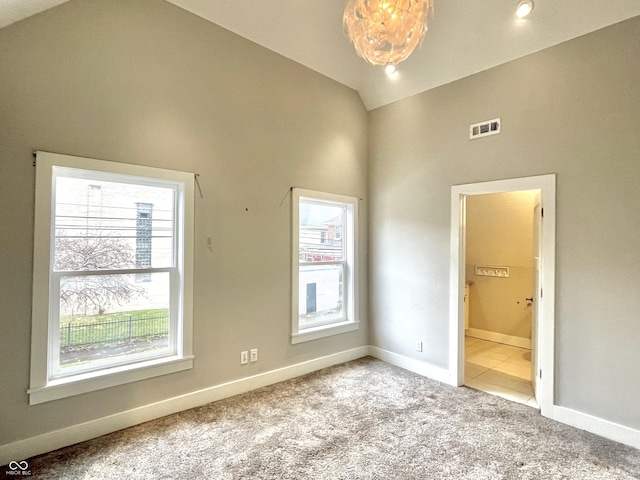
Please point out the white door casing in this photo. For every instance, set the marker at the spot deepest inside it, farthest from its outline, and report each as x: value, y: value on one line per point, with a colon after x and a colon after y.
x: 546, y: 316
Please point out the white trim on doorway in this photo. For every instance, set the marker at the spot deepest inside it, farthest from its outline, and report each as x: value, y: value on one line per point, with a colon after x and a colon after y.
x: 546, y: 335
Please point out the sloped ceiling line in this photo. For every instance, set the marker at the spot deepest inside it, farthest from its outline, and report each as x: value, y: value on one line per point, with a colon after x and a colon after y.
x: 464, y: 37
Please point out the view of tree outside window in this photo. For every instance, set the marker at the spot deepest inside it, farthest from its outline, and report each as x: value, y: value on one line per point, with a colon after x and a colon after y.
x: 103, y: 230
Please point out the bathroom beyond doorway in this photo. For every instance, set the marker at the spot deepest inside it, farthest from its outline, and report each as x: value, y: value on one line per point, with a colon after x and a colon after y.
x: 544, y: 327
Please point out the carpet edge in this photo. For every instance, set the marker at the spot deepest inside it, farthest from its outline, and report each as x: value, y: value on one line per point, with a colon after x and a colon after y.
x: 70, y: 435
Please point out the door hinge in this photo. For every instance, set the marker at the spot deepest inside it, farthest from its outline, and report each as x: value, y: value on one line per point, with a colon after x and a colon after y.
x: 542, y: 212
x: 540, y: 375
x: 540, y: 293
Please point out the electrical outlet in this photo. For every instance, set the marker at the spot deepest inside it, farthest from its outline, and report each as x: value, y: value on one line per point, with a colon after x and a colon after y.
x: 254, y: 354
x: 418, y: 346
x: 244, y: 357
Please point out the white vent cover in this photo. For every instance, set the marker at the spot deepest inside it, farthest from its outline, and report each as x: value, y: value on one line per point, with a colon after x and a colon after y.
x: 484, y: 129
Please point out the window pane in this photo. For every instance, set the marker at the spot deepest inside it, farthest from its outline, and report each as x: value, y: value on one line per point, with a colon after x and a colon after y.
x: 108, y: 319
x: 110, y: 225
x: 320, y: 294
x: 320, y: 237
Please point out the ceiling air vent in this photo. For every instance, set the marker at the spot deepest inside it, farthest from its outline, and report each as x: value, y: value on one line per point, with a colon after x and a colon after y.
x: 484, y: 129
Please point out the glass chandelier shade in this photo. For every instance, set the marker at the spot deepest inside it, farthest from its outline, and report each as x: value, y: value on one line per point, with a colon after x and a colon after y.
x: 386, y: 31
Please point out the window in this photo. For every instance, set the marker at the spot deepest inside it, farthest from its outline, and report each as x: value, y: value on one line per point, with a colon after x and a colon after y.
x: 324, y: 264
x: 113, y: 261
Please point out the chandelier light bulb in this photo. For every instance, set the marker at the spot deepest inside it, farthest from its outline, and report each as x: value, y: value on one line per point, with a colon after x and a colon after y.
x: 524, y: 8
x: 385, y: 32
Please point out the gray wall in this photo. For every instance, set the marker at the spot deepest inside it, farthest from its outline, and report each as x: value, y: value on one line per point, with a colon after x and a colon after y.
x: 572, y: 110
x: 144, y: 82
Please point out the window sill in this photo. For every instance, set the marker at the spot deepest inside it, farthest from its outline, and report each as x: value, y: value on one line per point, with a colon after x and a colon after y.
x: 109, y: 377
x: 315, y: 333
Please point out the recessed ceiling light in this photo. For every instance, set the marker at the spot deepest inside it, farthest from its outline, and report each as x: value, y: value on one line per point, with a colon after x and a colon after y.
x: 524, y: 8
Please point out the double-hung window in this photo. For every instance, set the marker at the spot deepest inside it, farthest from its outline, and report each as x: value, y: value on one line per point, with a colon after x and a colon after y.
x: 113, y: 261
x: 324, y: 274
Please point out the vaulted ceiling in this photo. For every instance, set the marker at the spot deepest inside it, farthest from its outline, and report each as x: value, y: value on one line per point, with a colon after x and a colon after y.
x: 464, y: 37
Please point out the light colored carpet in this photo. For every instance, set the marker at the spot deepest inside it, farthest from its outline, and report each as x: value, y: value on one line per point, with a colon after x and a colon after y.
x: 361, y: 420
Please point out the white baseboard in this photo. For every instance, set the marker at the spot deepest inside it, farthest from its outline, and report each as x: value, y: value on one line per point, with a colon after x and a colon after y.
x: 599, y: 426
x: 583, y: 421
x: 18, y: 451
x: 411, y: 364
x: 499, y: 337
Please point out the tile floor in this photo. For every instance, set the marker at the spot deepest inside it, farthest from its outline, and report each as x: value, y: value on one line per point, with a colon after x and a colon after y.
x: 499, y: 369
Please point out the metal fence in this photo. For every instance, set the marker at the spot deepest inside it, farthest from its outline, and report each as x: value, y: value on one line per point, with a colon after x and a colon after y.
x: 112, y: 331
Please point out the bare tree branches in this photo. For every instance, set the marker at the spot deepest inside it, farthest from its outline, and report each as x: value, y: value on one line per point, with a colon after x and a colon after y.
x: 95, y: 293
x: 93, y: 253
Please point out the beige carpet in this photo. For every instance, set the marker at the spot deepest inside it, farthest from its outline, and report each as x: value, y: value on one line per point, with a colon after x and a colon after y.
x: 361, y: 420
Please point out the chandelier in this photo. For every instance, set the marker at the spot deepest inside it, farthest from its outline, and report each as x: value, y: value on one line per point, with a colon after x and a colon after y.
x: 385, y: 32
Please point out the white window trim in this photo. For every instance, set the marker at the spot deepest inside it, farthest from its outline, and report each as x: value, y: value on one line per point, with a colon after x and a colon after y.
x: 42, y: 388
x: 350, y: 232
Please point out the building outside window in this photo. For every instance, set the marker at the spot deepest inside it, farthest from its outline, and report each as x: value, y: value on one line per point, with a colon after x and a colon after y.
x: 324, y: 273
x: 144, y: 236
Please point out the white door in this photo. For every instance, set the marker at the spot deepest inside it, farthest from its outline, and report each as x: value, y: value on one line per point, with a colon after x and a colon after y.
x: 535, y: 312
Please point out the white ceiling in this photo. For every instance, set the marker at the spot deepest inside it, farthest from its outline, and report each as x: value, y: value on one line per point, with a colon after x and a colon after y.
x: 464, y: 37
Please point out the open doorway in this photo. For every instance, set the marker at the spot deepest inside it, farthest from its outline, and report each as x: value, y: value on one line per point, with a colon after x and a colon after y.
x: 542, y: 326
x: 500, y: 278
